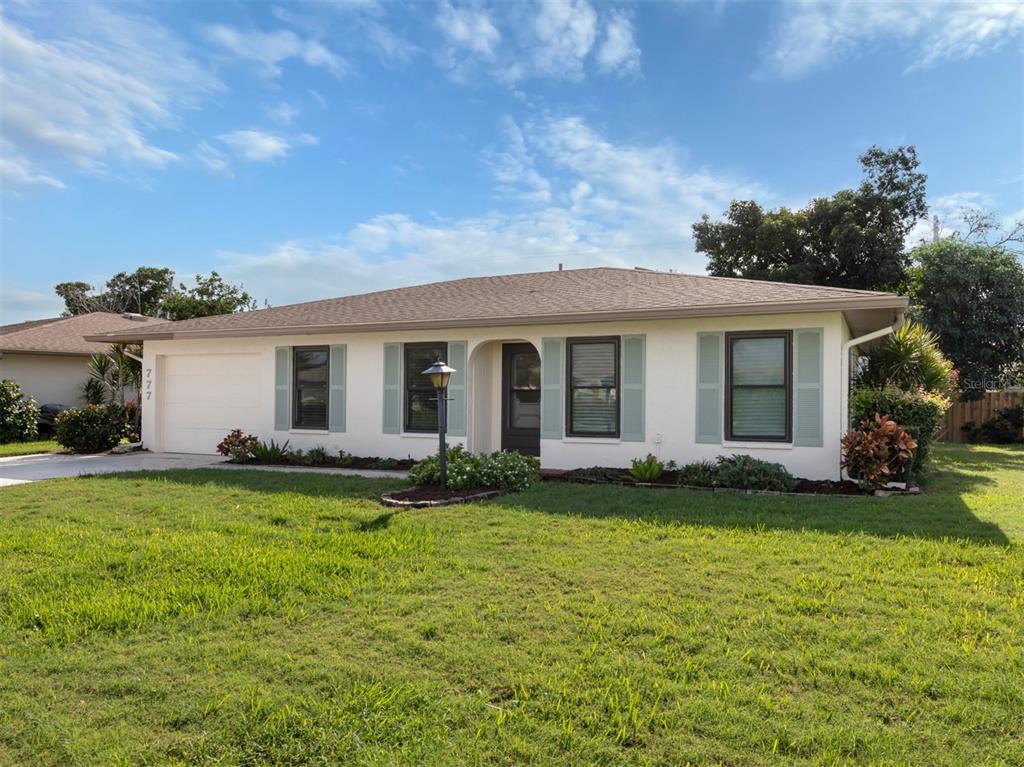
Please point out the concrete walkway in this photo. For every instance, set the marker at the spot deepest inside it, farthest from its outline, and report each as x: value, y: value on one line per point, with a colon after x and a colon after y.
x: 20, y: 469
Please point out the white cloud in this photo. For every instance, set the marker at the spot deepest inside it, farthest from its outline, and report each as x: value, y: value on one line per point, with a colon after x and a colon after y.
x: 17, y: 171
x: 949, y: 210
x: 602, y: 203
x: 566, y: 31
x: 815, y: 32
x: 470, y: 29
x: 618, y: 51
x: 271, y: 49
x: 282, y: 112
x: 255, y: 146
x: 90, y: 90
x: 212, y: 159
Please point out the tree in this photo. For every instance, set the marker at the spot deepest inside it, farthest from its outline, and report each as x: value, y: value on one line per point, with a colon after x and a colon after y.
x: 853, y: 239
x: 142, y: 292
x: 972, y: 296
x: 211, y: 295
x: 150, y: 290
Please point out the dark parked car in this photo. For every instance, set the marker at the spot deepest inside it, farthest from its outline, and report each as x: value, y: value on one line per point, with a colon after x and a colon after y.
x: 47, y: 415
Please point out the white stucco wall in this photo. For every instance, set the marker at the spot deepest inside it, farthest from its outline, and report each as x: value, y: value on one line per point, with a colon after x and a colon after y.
x: 670, y: 392
x: 47, y: 377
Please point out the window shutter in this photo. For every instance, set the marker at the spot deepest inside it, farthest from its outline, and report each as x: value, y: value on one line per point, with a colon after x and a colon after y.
x: 709, y: 387
x: 392, y: 388
x: 807, y: 391
x: 633, y: 362
x: 457, y: 388
x: 282, y: 388
x: 336, y: 399
x: 552, y: 369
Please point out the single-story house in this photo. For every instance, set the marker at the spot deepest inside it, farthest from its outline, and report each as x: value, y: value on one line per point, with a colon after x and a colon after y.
x: 580, y: 367
x: 49, y: 359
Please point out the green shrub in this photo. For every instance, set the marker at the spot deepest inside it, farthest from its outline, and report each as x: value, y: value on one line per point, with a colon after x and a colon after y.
x: 878, y: 451
x: 1004, y: 429
x: 93, y: 428
x: 19, y: 416
x: 919, y: 412
x: 698, y: 474
x: 238, y: 445
x: 910, y: 359
x: 647, y: 469
x: 748, y: 473
x: 384, y: 464
x: 317, y: 456
x: 509, y: 471
x: 271, y: 452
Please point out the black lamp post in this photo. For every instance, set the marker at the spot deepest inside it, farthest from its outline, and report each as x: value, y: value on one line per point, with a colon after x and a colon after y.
x: 439, y: 374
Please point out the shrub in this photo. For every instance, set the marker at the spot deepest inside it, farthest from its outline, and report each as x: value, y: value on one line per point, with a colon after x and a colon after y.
x: 647, y: 469
x: 317, y: 456
x: 698, y: 474
x: 238, y: 445
x: 384, y: 464
x: 270, y: 452
x: 19, y: 416
x: 510, y: 471
x: 92, y: 428
x: 910, y: 359
x: 919, y: 412
x: 748, y: 473
x: 878, y: 451
x: 1004, y: 429
x: 345, y: 459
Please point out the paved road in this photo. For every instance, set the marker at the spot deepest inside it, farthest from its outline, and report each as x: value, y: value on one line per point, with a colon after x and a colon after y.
x: 32, y: 468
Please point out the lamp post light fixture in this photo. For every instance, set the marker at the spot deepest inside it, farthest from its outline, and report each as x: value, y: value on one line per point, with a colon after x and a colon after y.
x: 439, y: 374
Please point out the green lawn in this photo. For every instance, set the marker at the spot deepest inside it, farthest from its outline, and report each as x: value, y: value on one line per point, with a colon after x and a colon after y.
x: 244, y: 618
x: 28, y: 448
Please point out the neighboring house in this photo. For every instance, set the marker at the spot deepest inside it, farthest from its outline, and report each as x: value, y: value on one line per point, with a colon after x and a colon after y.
x: 49, y: 359
x: 581, y: 367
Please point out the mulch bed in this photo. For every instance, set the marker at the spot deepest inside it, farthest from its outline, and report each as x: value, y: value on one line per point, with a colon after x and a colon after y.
x: 434, y: 495
x: 603, y: 475
x: 353, y: 462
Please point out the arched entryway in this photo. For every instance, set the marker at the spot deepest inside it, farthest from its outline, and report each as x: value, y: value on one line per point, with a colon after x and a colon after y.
x: 505, y: 396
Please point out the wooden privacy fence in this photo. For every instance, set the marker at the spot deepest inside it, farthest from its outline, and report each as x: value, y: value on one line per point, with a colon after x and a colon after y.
x: 979, y: 411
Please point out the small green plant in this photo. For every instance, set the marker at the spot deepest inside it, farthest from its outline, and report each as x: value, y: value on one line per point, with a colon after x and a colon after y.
x: 271, y: 452
x: 19, y: 416
x: 698, y: 474
x: 877, y: 452
x: 93, y: 428
x: 345, y: 459
x: 745, y: 472
x: 317, y: 456
x: 384, y: 464
x: 647, y: 469
x: 238, y: 445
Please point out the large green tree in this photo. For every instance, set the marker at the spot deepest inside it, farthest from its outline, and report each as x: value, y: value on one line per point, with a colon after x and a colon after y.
x: 972, y: 296
x: 150, y: 290
x: 853, y: 239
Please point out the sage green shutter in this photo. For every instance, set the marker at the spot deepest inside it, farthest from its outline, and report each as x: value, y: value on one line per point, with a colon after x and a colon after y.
x: 457, y: 388
x: 709, y: 387
x: 808, y: 364
x: 336, y: 400
x: 551, y: 372
x: 392, y: 388
x: 282, y: 381
x: 632, y: 413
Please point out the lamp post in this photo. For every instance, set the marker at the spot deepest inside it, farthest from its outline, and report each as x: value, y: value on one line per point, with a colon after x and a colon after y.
x: 439, y: 374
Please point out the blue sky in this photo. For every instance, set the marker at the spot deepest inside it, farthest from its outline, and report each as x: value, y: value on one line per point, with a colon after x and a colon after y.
x: 314, y: 150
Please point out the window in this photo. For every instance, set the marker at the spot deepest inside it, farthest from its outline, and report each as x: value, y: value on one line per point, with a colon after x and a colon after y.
x: 420, y: 394
x: 312, y: 378
x: 593, y: 387
x: 758, y: 376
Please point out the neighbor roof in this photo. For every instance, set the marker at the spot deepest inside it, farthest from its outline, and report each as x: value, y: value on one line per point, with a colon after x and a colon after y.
x: 576, y: 295
x: 66, y: 335
x: 5, y: 329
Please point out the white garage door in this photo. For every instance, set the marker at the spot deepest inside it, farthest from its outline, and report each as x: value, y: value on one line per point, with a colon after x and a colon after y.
x: 207, y: 395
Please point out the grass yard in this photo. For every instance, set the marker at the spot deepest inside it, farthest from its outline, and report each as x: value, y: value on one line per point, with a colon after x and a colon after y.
x: 9, y: 449
x: 244, y: 618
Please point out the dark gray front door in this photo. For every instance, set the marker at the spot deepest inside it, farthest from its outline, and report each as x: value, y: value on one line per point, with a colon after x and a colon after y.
x: 520, y: 399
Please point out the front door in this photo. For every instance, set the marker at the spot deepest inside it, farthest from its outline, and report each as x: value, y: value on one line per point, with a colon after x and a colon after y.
x: 520, y: 399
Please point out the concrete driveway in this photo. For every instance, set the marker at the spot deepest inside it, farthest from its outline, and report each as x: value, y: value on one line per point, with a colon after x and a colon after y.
x: 30, y: 468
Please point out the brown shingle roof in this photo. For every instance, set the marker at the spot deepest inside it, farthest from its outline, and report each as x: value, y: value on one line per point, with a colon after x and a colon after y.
x: 576, y: 295
x: 5, y: 329
x: 65, y: 335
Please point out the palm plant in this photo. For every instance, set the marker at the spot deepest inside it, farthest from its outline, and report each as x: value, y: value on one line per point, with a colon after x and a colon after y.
x: 910, y: 359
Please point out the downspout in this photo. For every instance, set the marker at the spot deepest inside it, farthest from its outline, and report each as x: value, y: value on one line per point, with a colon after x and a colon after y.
x: 844, y: 399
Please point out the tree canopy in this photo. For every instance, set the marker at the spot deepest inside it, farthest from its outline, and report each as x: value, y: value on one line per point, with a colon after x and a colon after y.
x: 853, y: 239
x: 972, y: 296
x: 150, y: 290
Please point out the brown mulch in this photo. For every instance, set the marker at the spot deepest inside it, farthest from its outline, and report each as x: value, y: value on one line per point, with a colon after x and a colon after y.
x: 603, y: 475
x: 434, y: 495
x: 829, y: 487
